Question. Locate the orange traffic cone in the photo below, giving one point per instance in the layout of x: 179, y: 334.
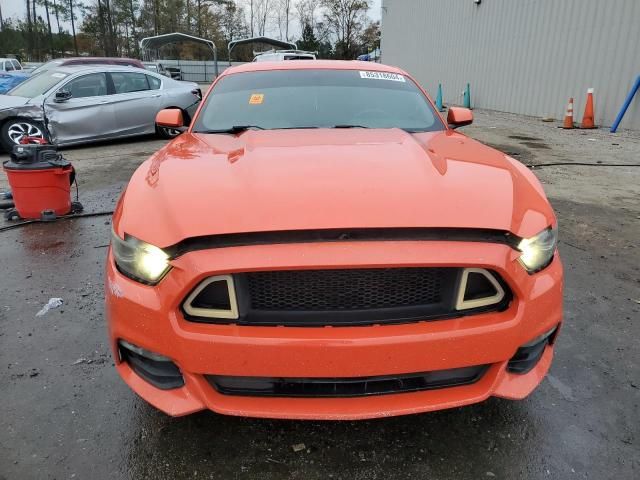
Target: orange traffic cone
x: 587, y: 118
x: 568, y: 117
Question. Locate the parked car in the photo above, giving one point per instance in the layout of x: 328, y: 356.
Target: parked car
x: 8, y: 80
x: 322, y: 244
x: 72, y: 105
x: 152, y: 66
x: 9, y: 65
x: 282, y: 55
x: 71, y: 61
x: 171, y: 72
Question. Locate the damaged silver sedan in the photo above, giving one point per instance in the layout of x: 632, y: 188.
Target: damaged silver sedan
x: 82, y: 104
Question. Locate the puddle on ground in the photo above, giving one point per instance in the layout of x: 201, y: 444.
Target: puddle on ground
x: 536, y: 145
x: 526, y: 138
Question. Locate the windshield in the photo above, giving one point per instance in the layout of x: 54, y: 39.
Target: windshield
x: 316, y: 99
x: 47, y: 66
x: 37, y: 85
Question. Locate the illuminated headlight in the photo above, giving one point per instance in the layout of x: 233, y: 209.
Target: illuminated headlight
x: 138, y: 260
x: 537, y: 252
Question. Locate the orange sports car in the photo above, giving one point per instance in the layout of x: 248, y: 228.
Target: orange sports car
x: 321, y: 244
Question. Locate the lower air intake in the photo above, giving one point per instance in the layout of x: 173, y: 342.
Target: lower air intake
x: 345, y: 387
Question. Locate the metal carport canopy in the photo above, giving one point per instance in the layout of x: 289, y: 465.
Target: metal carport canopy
x: 159, y: 41
x: 267, y: 40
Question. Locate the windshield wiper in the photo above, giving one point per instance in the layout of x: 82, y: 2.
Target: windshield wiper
x: 296, y: 128
x: 349, y: 126
x: 234, y: 129
x: 415, y: 130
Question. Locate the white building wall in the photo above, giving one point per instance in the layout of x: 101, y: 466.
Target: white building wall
x: 520, y: 56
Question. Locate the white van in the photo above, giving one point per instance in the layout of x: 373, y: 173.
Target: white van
x: 10, y: 65
x: 281, y: 55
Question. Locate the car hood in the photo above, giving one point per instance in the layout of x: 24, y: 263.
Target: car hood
x: 11, y: 101
x: 326, y: 179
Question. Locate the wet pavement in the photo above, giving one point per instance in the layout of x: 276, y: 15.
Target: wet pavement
x: 66, y: 414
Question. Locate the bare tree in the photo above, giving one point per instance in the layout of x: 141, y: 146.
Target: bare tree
x: 283, y: 11
x: 306, y: 11
x: 262, y: 15
x: 232, y: 21
x: 259, y: 14
x: 346, y: 19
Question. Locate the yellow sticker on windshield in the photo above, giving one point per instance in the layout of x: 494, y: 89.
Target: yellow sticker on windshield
x: 256, y: 99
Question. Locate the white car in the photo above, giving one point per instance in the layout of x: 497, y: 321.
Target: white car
x: 82, y: 104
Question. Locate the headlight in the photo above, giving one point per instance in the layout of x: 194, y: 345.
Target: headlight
x: 537, y: 252
x: 138, y: 260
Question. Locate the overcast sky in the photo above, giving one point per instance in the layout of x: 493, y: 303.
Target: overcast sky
x: 17, y: 9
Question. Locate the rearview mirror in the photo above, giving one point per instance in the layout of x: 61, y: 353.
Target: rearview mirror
x: 170, y: 117
x: 63, y: 96
x: 459, y: 117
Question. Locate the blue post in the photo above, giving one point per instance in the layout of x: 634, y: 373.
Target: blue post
x: 626, y: 104
x: 466, y: 103
x: 439, y: 105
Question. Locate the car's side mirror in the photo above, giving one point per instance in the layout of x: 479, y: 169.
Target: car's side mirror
x: 170, y: 117
x: 459, y: 117
x: 62, y: 96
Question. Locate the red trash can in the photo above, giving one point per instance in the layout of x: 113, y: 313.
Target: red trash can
x: 40, y: 180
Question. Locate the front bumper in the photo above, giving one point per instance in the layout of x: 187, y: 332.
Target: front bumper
x: 150, y: 317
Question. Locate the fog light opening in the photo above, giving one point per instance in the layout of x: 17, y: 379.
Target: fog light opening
x: 213, y: 298
x: 154, y: 368
x: 478, y: 288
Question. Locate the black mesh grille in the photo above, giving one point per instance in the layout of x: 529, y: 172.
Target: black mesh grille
x: 340, y: 290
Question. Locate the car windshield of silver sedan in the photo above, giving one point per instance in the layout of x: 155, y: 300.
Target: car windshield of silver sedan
x: 37, y: 84
x: 296, y: 99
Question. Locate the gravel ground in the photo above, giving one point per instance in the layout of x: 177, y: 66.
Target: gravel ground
x: 66, y: 414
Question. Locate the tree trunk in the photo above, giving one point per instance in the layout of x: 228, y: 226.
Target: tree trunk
x: 101, y: 28
x: 263, y: 20
x: 29, y: 31
x: 286, y: 28
x: 55, y: 8
x: 133, y: 29
x: 46, y: 8
x: 155, y: 17
x: 188, y: 19
x: 34, y: 19
x: 251, y: 15
x: 111, y: 35
x: 73, y: 27
x: 126, y: 36
x: 199, y: 18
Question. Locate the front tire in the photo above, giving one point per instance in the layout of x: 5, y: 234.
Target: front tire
x: 13, y: 130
